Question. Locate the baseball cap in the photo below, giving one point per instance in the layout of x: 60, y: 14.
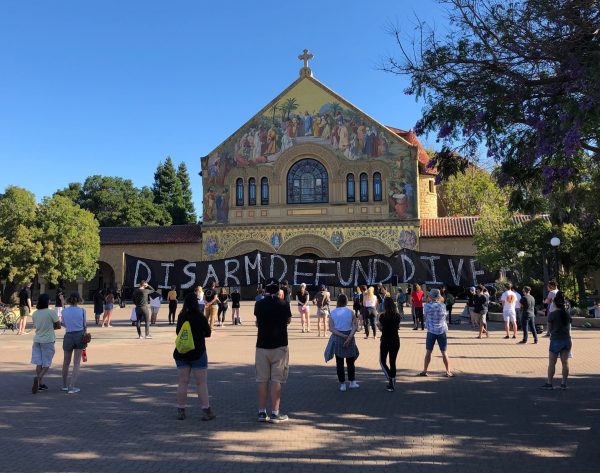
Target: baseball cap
x: 272, y: 285
x: 322, y: 287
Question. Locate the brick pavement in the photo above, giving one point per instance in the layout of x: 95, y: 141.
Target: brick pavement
x: 490, y: 418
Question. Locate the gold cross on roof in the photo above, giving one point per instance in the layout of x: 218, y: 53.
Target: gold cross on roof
x: 305, y: 56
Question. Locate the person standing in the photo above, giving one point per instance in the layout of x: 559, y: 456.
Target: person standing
x: 417, y: 295
x: 509, y: 312
x: 98, y: 305
x: 199, y: 291
x: 560, y: 340
x: 389, y: 324
x: 480, y: 307
x: 223, y: 306
x: 473, y: 316
x: 449, y: 302
x: 549, y: 302
x: 236, y: 298
x: 322, y: 301
x: 140, y: 300
x: 356, y: 306
x: 75, y: 323
x: 342, y: 345
x: 528, y: 315
x: 211, y: 303
x: 272, y: 356
x: 400, y: 300
x: 25, y: 307
x: 155, y: 300
x: 285, y: 287
x: 409, y: 290
x: 45, y: 322
x: 369, y: 302
x: 172, y: 299
x: 303, y: 300
x: 435, y: 320
x: 59, y: 301
x: 109, y: 304
x: 194, y: 361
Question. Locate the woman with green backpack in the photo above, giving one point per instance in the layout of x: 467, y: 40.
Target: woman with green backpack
x: 190, y: 355
x: 449, y: 301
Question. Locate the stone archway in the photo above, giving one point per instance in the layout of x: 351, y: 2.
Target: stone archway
x: 365, y: 247
x: 248, y: 246
x: 303, y: 244
x: 104, y: 279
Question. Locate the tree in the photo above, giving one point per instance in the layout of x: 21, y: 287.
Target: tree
x: 168, y: 191
x: 20, y: 248
x: 115, y: 201
x: 186, y: 189
x: 521, y: 77
x: 468, y: 192
x: 70, y: 240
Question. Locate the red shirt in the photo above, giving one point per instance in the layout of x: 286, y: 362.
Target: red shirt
x: 417, y: 298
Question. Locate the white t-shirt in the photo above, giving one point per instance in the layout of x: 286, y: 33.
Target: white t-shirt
x: 551, y: 295
x: 509, y: 302
x: 518, y: 304
x: 342, y: 318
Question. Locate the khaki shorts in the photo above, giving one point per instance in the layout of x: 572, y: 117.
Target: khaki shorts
x: 272, y: 364
x: 24, y: 311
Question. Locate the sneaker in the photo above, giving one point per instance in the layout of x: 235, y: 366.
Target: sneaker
x: 64, y: 389
x: 353, y: 385
x: 207, y: 414
x: 73, y: 390
x: 148, y: 336
x: 43, y: 387
x: 263, y: 417
x: 277, y: 418
x: 547, y: 386
x: 506, y: 338
x: 343, y: 387
x: 180, y: 413
x: 563, y: 386
x: 535, y: 342
x: 390, y: 386
x: 514, y: 336
x: 521, y: 342
x: 423, y: 374
x: 416, y: 328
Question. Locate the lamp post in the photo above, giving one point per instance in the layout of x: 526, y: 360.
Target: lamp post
x: 555, y: 242
x: 520, y: 255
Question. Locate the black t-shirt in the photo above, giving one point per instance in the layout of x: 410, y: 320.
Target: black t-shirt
x: 389, y: 327
x: 223, y: 298
x: 209, y: 294
x: 272, y: 318
x: 480, y: 303
x: 24, y: 296
x: 302, y: 298
x: 471, y: 300
x: 235, y: 299
x: 286, y: 294
x: 59, y: 295
x: 200, y: 331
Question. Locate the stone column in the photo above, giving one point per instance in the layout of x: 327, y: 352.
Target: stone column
x: 43, y: 282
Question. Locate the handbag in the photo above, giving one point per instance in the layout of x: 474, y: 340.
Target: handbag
x: 133, y: 317
x: 185, y: 341
x: 86, y: 337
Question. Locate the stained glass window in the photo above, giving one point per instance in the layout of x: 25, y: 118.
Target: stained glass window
x: 307, y: 183
x: 239, y: 192
x: 377, y: 190
x: 264, y: 191
x: 350, y: 188
x: 251, y: 191
x: 364, y: 188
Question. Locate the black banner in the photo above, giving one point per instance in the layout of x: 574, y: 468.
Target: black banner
x: 253, y: 268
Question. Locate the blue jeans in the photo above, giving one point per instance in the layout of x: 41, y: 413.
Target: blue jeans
x: 528, y: 322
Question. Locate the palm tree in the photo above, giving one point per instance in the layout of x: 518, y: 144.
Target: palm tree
x: 274, y: 109
x: 291, y: 104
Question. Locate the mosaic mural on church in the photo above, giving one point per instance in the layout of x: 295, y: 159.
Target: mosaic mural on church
x: 308, y: 114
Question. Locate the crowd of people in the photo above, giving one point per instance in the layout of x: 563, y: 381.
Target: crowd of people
x: 369, y: 309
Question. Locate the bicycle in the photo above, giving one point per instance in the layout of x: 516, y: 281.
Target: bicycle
x: 8, y: 318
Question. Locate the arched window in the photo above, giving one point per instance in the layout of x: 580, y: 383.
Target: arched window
x: 239, y: 192
x: 377, y: 190
x: 307, y: 183
x: 251, y: 191
x: 350, y: 188
x: 364, y: 187
x: 264, y: 191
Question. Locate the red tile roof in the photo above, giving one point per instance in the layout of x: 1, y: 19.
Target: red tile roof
x: 460, y: 226
x: 422, y: 155
x: 154, y: 235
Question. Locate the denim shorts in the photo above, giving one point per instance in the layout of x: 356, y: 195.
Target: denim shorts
x: 73, y: 341
x: 560, y: 344
x: 199, y: 364
x: 441, y: 339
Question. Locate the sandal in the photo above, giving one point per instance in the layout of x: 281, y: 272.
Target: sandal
x: 423, y: 373
x: 449, y: 375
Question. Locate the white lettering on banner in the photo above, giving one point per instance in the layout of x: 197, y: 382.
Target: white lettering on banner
x: 456, y: 273
x: 211, y: 273
x: 230, y: 274
x: 137, y: 270
x: 319, y: 274
x: 296, y: 273
x: 358, y: 266
x: 387, y: 265
x: 272, y: 271
x: 345, y: 282
x: 405, y: 259
x: 256, y: 266
x: 431, y: 260
x: 474, y: 272
x: 166, y: 266
x: 186, y: 270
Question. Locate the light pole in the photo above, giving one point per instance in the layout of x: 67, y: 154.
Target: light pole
x: 520, y: 255
x: 555, y: 242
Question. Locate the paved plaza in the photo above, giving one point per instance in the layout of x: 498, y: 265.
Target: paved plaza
x: 491, y: 417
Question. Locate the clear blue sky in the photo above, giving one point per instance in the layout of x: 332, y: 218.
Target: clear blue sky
x: 113, y: 87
